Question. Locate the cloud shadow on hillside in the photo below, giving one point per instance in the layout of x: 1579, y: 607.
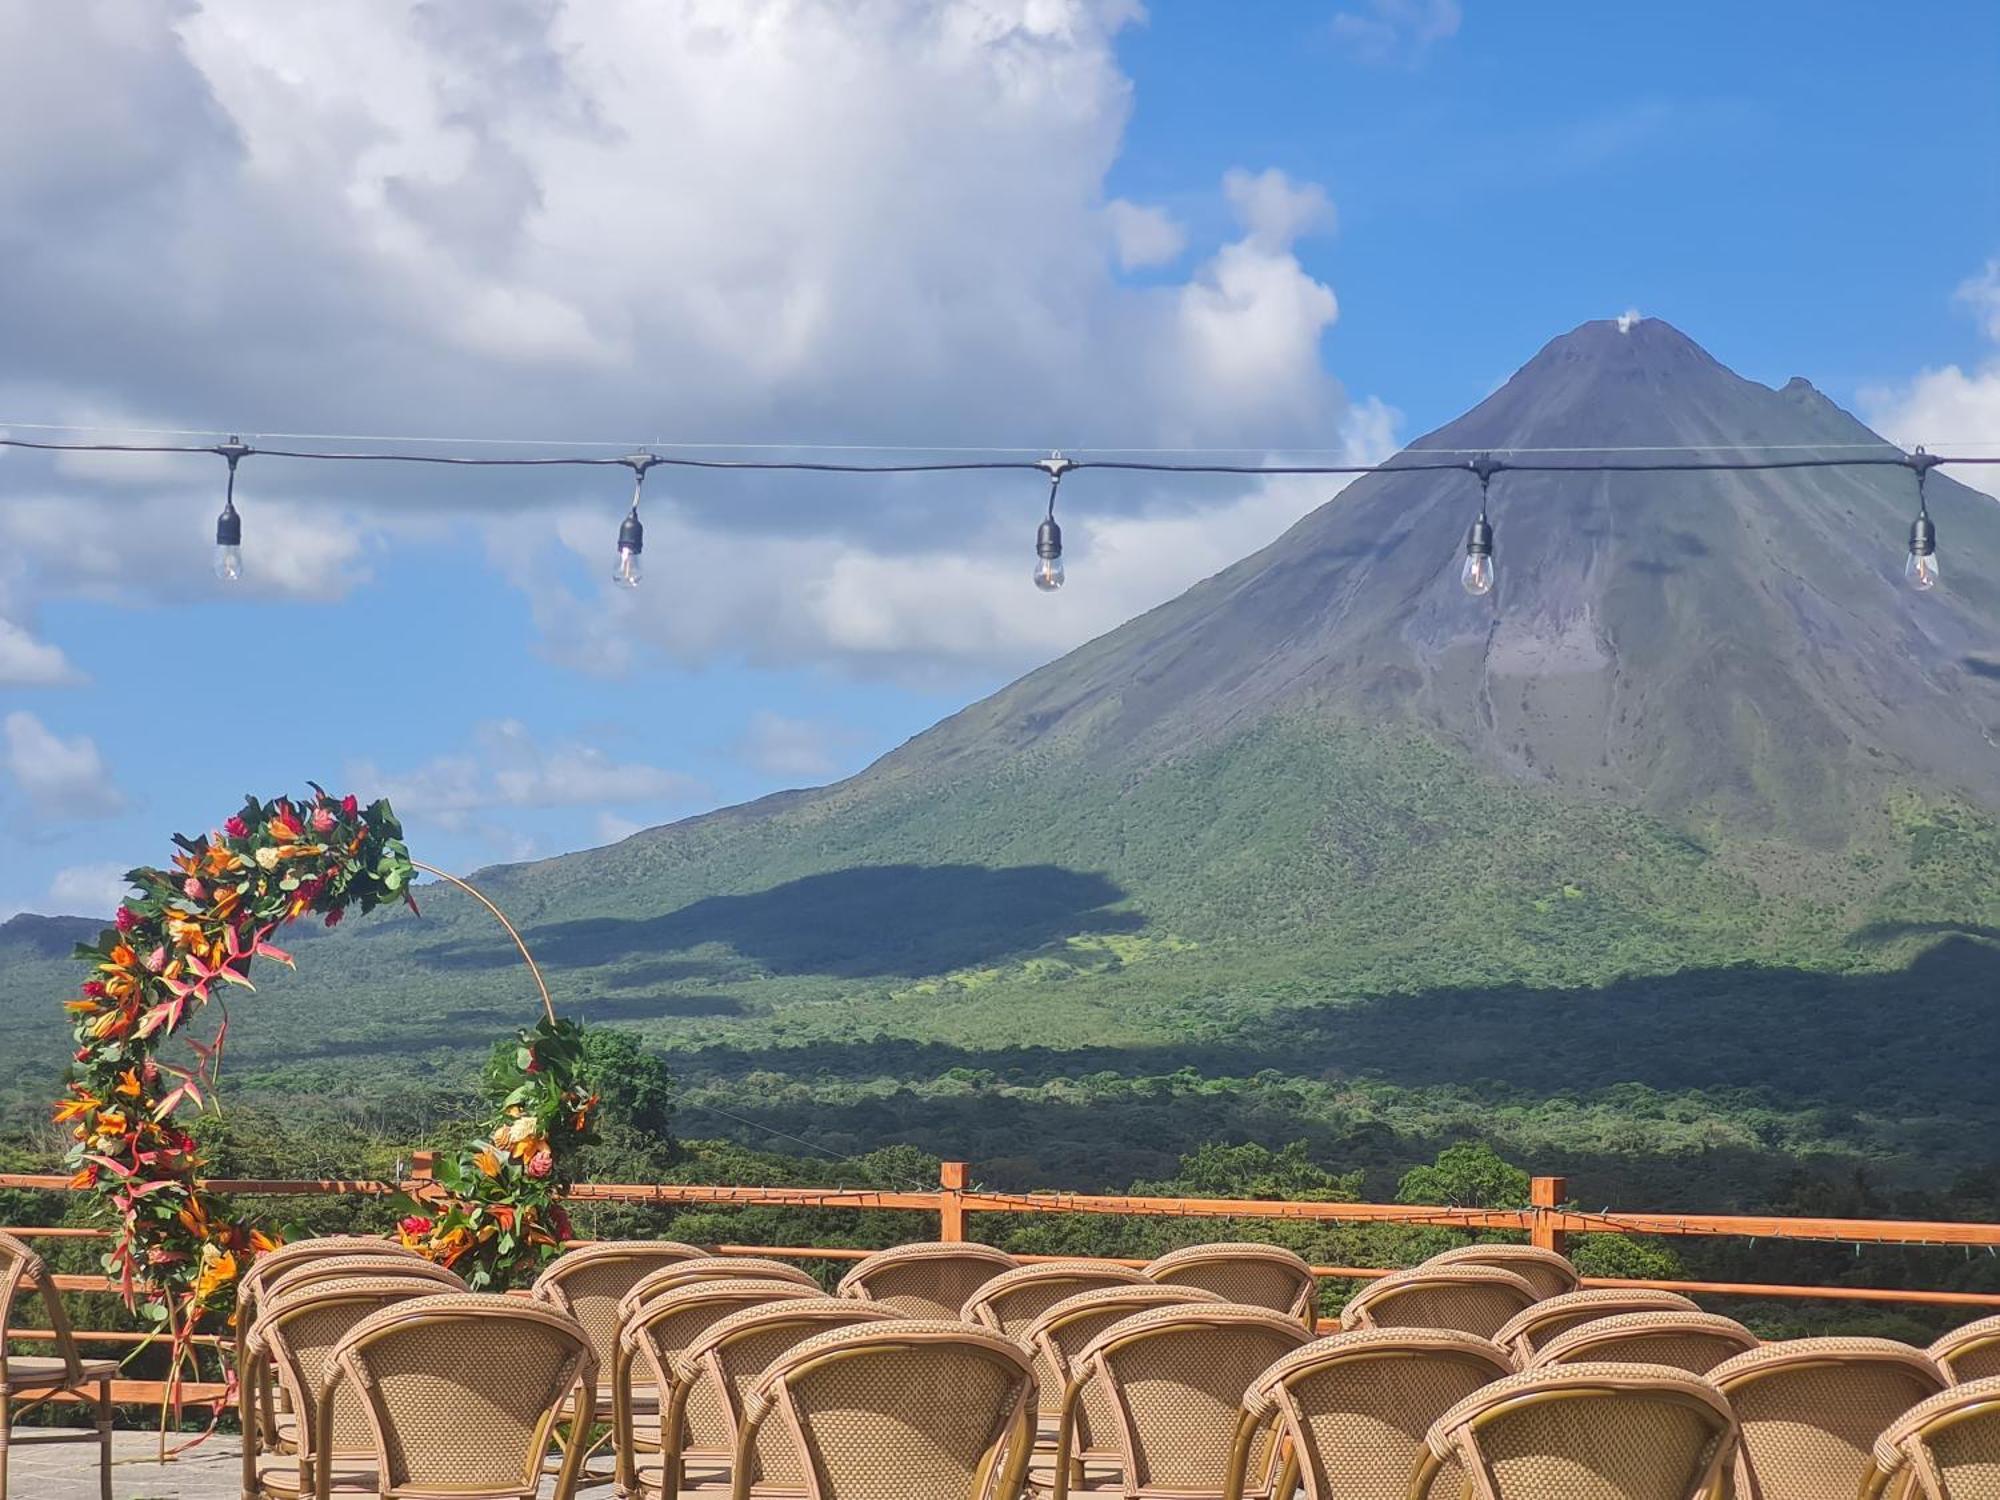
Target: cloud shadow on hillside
x: 871, y: 920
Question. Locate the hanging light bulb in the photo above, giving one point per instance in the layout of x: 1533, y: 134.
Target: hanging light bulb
x: 631, y: 531
x: 1922, y: 567
x: 229, y: 525
x: 1477, y: 575
x: 1049, y: 574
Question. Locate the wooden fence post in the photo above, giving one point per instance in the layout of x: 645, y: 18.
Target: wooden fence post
x: 1547, y: 1195
x: 951, y: 1211
x: 423, y: 1166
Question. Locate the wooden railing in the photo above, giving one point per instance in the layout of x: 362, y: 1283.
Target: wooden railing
x: 1545, y: 1222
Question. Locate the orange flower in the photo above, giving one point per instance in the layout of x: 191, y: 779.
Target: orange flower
x: 264, y: 1243
x: 69, y: 1109
x: 488, y: 1163
x: 82, y: 1007
x: 128, y: 1083
x: 122, y: 957
x: 225, y: 904
x: 217, y: 1271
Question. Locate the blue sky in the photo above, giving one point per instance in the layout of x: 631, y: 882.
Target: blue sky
x: 1023, y: 223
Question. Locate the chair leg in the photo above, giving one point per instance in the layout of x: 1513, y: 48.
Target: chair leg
x: 6, y: 1426
x: 103, y: 1439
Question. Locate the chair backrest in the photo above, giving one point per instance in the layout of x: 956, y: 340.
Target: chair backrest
x: 293, y: 1341
x: 22, y: 1271
x: 1549, y: 1273
x: 710, y: 1268
x: 884, y: 1411
x: 1693, y: 1341
x: 1971, y: 1352
x: 1059, y: 1335
x: 1811, y: 1410
x: 1584, y: 1432
x: 1250, y: 1275
x: 656, y: 1332
x: 721, y: 1365
x: 275, y: 1262
x: 1354, y: 1409
x: 1949, y: 1443
x: 1174, y: 1378
x: 925, y: 1281
x: 300, y: 1274
x: 1534, y: 1326
x: 1469, y: 1299
x: 1014, y: 1299
x: 589, y: 1282
x: 460, y: 1393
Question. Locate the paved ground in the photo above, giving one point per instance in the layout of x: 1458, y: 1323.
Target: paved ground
x: 66, y: 1471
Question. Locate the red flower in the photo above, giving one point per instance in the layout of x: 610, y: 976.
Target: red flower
x: 126, y: 919
x: 322, y: 820
x: 348, y: 806
x: 236, y: 828
x: 541, y: 1163
x: 333, y: 917
x: 414, y: 1225
x: 94, y: 988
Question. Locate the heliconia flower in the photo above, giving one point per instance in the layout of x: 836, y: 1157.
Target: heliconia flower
x: 157, y: 959
x: 193, y: 889
x: 349, y: 806
x: 541, y: 1163
x: 126, y: 919
x: 236, y: 828
x: 322, y: 820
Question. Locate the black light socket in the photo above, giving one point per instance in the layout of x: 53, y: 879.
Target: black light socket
x: 631, y: 533
x: 229, y: 526
x: 1923, y: 536
x: 1048, y: 540
x: 1479, y: 539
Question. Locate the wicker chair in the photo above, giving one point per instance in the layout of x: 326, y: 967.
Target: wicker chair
x: 1811, y: 1410
x: 1532, y: 1327
x: 461, y: 1394
x: 37, y: 1380
x: 1479, y: 1300
x: 305, y: 1273
x: 651, y: 1339
x: 715, y: 1372
x: 1584, y: 1432
x: 910, y: 1408
x: 1693, y: 1341
x: 1549, y: 1273
x: 709, y: 1268
x: 1353, y: 1409
x: 1249, y: 1275
x: 925, y: 1281
x: 1970, y: 1353
x: 291, y: 1348
x: 1011, y: 1301
x: 286, y: 1257
x: 1174, y: 1378
x: 1950, y: 1444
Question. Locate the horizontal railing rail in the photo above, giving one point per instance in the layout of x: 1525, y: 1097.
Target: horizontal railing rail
x: 1547, y: 1221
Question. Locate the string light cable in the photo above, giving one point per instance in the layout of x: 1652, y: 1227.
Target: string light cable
x: 1477, y: 574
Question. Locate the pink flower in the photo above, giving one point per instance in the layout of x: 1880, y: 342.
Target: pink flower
x: 349, y: 806
x: 126, y: 919
x: 333, y: 917
x: 192, y: 888
x: 415, y: 1224
x: 322, y: 819
x: 236, y: 828
x: 157, y: 959
x: 541, y: 1163
x: 94, y: 988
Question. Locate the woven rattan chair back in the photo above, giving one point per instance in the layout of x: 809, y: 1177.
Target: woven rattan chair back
x: 709, y: 1268
x: 23, y: 1273
x: 925, y: 1281
x: 1062, y: 1333
x: 1692, y: 1341
x: 1811, y: 1410
x: 590, y: 1281
x: 1474, y: 1299
x: 1547, y: 1271
x: 1948, y: 1445
x: 294, y: 1278
x: 1011, y: 1301
x: 291, y: 1347
x: 1971, y: 1352
x: 1354, y: 1409
x: 722, y: 1365
x: 891, y: 1411
x: 653, y: 1337
x: 460, y: 1394
x: 1175, y: 1378
x: 274, y: 1263
x: 1583, y: 1432
x: 1249, y: 1275
x: 1533, y: 1327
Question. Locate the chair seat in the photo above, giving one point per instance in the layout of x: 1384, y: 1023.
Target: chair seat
x: 49, y: 1372
x: 350, y: 1479
x: 697, y: 1478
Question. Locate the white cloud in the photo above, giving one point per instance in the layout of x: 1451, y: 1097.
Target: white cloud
x: 1397, y: 30
x: 1274, y: 209
x: 60, y: 780
x: 611, y: 828
x: 1627, y: 319
x: 27, y: 662
x: 805, y: 750
x: 1143, y: 235
x: 1950, y: 404
x: 87, y: 890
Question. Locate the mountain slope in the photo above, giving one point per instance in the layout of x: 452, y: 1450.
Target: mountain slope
x: 1666, y: 833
